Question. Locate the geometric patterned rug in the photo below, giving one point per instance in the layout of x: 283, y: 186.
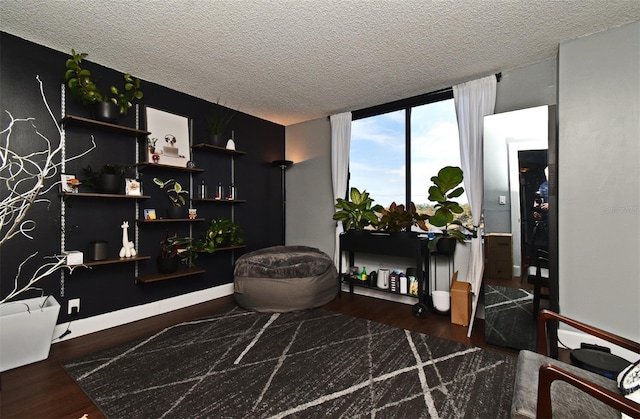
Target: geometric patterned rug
x: 509, y: 321
x: 313, y: 363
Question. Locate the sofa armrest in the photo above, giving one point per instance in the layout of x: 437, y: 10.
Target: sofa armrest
x: 545, y: 316
x: 549, y: 373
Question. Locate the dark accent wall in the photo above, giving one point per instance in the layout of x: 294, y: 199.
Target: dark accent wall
x: 107, y: 288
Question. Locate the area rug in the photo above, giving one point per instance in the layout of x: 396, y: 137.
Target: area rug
x: 314, y: 363
x: 508, y: 318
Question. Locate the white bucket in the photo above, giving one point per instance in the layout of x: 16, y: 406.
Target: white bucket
x: 441, y: 300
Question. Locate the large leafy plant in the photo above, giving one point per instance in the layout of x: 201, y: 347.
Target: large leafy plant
x: 446, y: 187
x: 81, y: 85
x: 397, y: 218
x: 357, y: 213
x: 222, y: 232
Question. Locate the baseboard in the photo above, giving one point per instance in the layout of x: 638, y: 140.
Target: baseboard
x: 131, y: 314
x: 573, y: 339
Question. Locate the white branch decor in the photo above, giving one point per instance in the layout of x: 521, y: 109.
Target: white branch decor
x: 25, y: 181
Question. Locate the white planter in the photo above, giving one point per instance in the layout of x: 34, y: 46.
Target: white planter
x: 26, y: 334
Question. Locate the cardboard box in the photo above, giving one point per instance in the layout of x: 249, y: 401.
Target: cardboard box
x: 74, y: 257
x: 460, y: 303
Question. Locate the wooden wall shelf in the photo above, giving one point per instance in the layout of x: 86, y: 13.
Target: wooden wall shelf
x: 102, y: 195
x: 170, y: 220
x: 228, y: 201
x: 145, y: 165
x: 92, y: 123
x: 115, y: 260
x: 204, y: 146
x: 161, y: 277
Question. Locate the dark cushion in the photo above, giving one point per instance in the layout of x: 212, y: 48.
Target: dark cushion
x: 283, y: 262
x: 566, y: 400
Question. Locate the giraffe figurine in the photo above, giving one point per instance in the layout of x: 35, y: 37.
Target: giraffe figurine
x: 127, y: 249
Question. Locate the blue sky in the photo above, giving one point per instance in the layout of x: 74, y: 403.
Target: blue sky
x: 377, y: 160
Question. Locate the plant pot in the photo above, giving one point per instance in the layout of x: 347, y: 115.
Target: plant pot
x: 167, y: 265
x: 446, y: 245
x: 98, y: 250
x: 217, y: 140
x: 110, y: 184
x: 105, y: 112
x: 25, y: 334
x: 175, y: 212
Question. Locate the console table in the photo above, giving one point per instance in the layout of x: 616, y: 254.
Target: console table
x: 410, y: 246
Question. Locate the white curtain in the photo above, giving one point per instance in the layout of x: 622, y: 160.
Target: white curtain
x: 340, y: 145
x: 474, y: 100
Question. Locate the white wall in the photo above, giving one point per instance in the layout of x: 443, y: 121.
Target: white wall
x: 309, y: 191
x: 599, y: 179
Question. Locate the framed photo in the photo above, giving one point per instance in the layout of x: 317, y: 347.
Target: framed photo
x: 169, y: 141
x: 69, y: 183
x: 149, y: 214
x: 132, y: 187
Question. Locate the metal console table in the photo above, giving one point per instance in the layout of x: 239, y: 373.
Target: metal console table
x: 410, y: 246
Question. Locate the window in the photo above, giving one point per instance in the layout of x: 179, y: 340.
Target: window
x: 388, y: 160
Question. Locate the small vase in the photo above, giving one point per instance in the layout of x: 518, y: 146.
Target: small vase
x: 216, y: 140
x: 105, y: 112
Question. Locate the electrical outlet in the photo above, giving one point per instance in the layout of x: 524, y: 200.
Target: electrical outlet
x: 73, y: 304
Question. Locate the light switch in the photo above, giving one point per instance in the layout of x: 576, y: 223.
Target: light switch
x: 502, y: 200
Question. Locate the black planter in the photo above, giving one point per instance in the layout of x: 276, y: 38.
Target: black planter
x: 217, y: 140
x: 446, y: 245
x: 105, y: 112
x: 176, y: 212
x: 167, y: 266
x: 111, y: 184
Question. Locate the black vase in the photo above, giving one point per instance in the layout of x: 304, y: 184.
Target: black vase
x: 105, y: 112
x: 217, y: 140
x: 110, y: 184
x: 446, y: 245
x: 176, y: 212
x: 167, y: 265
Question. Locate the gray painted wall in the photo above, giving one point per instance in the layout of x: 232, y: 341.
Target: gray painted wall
x: 309, y: 190
x: 309, y: 195
x: 599, y: 179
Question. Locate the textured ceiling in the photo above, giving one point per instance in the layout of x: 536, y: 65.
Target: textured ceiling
x: 289, y: 61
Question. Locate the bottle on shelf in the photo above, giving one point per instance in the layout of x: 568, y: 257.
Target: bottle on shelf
x: 363, y: 274
x: 232, y: 193
x: 219, y: 191
x: 203, y: 190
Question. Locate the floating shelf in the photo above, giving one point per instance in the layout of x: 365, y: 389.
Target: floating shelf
x: 229, y: 248
x: 170, y: 220
x: 229, y: 201
x: 146, y: 165
x: 204, y: 146
x: 115, y: 260
x: 92, y: 123
x: 161, y: 277
x: 102, y: 195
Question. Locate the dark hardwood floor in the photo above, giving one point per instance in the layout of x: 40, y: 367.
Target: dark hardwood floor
x: 44, y: 390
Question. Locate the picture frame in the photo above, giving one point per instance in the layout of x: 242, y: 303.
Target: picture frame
x: 168, y: 142
x: 149, y: 214
x: 66, y: 186
x: 132, y: 187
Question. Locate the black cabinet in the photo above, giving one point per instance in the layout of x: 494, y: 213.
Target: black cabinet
x: 404, y: 245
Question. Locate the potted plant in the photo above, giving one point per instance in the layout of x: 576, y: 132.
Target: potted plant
x: 397, y: 219
x: 222, y: 232
x: 359, y: 212
x: 174, y: 249
x: 106, y: 107
x: 108, y: 179
x: 218, y: 118
x: 446, y: 187
x: 175, y: 193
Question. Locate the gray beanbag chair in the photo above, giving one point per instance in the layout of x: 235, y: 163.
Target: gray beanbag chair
x: 284, y: 278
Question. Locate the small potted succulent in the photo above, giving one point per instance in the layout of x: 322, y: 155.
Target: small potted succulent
x: 109, y: 179
x: 222, y: 232
x: 446, y: 187
x: 175, y: 193
x: 358, y: 213
x: 106, y: 107
x: 218, y: 118
x: 397, y: 219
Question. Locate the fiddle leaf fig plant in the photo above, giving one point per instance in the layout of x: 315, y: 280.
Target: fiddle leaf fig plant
x: 446, y: 187
x: 357, y: 213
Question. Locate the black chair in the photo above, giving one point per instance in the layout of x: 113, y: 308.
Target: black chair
x: 538, y: 276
